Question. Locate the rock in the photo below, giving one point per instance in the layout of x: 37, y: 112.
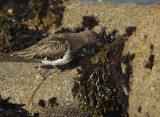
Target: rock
x: 144, y: 97
x: 110, y: 15
x: 20, y: 80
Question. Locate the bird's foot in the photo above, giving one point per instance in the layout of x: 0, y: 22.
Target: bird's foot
x: 43, y: 75
x: 65, y: 71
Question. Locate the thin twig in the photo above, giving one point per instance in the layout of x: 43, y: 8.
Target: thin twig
x: 44, y: 78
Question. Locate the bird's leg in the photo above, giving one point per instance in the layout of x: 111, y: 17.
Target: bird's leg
x: 39, y: 70
x: 57, y: 69
x: 61, y: 71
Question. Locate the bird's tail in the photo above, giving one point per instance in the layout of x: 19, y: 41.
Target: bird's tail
x: 23, y: 54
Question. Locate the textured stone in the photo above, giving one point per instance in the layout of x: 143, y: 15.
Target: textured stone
x: 145, y: 80
x: 110, y: 15
x: 20, y: 80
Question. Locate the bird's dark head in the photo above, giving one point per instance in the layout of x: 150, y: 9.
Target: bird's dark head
x: 102, y: 34
x: 93, y: 38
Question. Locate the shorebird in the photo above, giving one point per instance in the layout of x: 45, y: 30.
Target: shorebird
x: 58, y: 49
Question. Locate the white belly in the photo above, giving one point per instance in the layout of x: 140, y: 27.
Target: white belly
x: 66, y: 59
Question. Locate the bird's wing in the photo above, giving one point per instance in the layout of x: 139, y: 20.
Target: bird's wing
x: 50, y: 49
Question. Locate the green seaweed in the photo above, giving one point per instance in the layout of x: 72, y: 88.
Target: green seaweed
x: 95, y: 85
x: 96, y: 90
x: 7, y: 23
x: 43, y: 12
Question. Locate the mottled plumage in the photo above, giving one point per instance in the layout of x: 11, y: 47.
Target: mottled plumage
x: 60, y: 48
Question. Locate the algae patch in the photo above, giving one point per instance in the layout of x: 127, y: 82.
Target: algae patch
x: 95, y: 85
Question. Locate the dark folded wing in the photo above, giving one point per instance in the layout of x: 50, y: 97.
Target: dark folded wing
x: 50, y: 49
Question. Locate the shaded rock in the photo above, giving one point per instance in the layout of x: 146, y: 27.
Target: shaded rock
x: 12, y: 110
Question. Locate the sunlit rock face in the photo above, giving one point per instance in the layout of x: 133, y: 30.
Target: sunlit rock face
x: 110, y: 15
x: 142, y: 2
x: 144, y: 82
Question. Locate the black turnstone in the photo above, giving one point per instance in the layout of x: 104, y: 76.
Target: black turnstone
x: 58, y: 49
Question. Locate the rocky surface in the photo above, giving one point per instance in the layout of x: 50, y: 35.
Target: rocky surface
x: 110, y: 15
x: 144, y: 97
x: 20, y: 80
